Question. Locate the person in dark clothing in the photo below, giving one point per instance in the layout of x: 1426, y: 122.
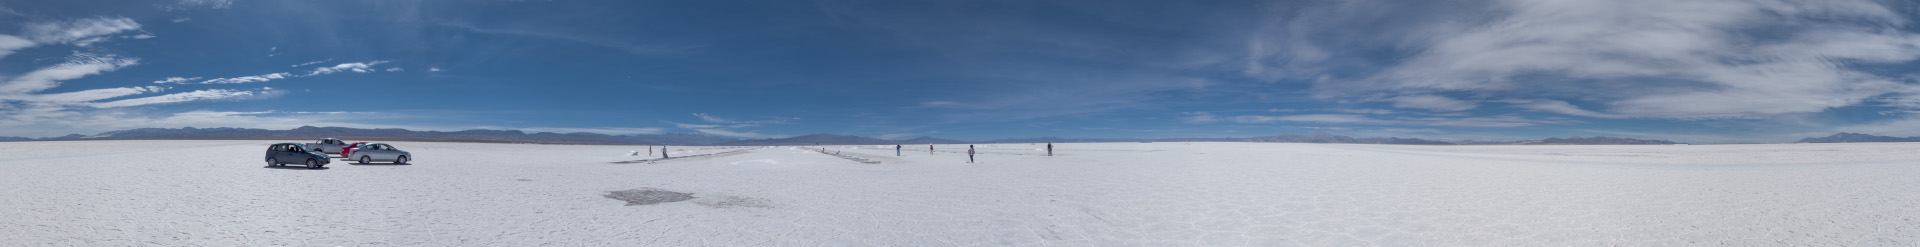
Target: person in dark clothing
x: 663, y: 152
x: 969, y: 153
x: 896, y: 150
x: 1049, y: 148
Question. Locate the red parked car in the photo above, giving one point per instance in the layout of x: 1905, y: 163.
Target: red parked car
x: 348, y: 151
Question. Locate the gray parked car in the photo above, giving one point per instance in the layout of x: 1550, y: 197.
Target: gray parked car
x: 368, y: 153
x: 295, y: 153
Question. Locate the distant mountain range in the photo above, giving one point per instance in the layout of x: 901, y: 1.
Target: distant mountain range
x: 515, y: 136
x: 1597, y: 140
x: 1857, y: 137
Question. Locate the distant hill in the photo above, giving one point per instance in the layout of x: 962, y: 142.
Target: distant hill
x: 931, y: 140
x: 354, y: 134
x: 1597, y: 140
x: 823, y: 139
x: 1857, y: 137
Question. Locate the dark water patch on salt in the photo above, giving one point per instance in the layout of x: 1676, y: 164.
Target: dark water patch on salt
x: 649, y: 196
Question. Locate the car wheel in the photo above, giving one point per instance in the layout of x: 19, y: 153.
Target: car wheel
x: 401, y: 160
x: 311, y: 164
x: 364, y: 160
x: 272, y: 162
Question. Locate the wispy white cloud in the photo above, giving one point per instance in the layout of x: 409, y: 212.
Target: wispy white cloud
x: 1431, y: 102
x: 694, y: 126
x: 711, y: 118
x: 89, y: 95
x: 395, y: 69
x: 175, y: 80
x: 47, y: 122
x: 360, y: 67
x: 200, y: 95
x: 1561, y: 107
x: 186, y: 4
x: 248, y: 79
x: 1492, y: 121
x: 10, y: 43
x: 723, y: 128
x: 77, y: 66
x: 733, y: 123
x: 1361, y: 111
x: 78, y: 30
x: 1632, y: 58
x: 310, y: 63
x: 622, y: 45
x: 1199, y: 117
x: 738, y: 134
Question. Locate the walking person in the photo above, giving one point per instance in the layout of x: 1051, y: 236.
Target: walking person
x: 929, y: 149
x: 969, y: 153
x: 896, y: 149
x: 663, y: 152
x: 1049, y: 148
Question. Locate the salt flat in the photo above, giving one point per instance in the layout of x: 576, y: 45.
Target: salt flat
x: 117, y: 193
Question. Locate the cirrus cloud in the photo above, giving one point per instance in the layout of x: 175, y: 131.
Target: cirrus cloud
x: 1680, y: 59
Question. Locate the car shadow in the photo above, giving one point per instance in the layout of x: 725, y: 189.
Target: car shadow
x: 379, y: 164
x: 291, y: 167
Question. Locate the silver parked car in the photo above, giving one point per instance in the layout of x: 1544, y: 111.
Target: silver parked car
x: 368, y: 153
x: 328, y: 146
x: 294, y: 153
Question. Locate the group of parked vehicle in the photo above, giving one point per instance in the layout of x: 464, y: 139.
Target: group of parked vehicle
x: 315, y: 155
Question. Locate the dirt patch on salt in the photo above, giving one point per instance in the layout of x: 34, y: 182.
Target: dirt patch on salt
x: 648, y: 196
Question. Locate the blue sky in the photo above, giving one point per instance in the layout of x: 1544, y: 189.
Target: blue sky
x: 1693, y: 71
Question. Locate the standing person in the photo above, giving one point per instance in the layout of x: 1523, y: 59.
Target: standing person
x: 1049, y: 148
x: 663, y: 152
x: 929, y: 149
x: 969, y: 153
x: 896, y: 149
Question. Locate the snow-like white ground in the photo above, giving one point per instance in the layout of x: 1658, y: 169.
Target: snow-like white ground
x: 117, y: 193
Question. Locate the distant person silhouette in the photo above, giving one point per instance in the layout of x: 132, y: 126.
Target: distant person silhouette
x: 663, y: 152
x: 969, y: 153
x: 1049, y: 148
x: 896, y: 150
